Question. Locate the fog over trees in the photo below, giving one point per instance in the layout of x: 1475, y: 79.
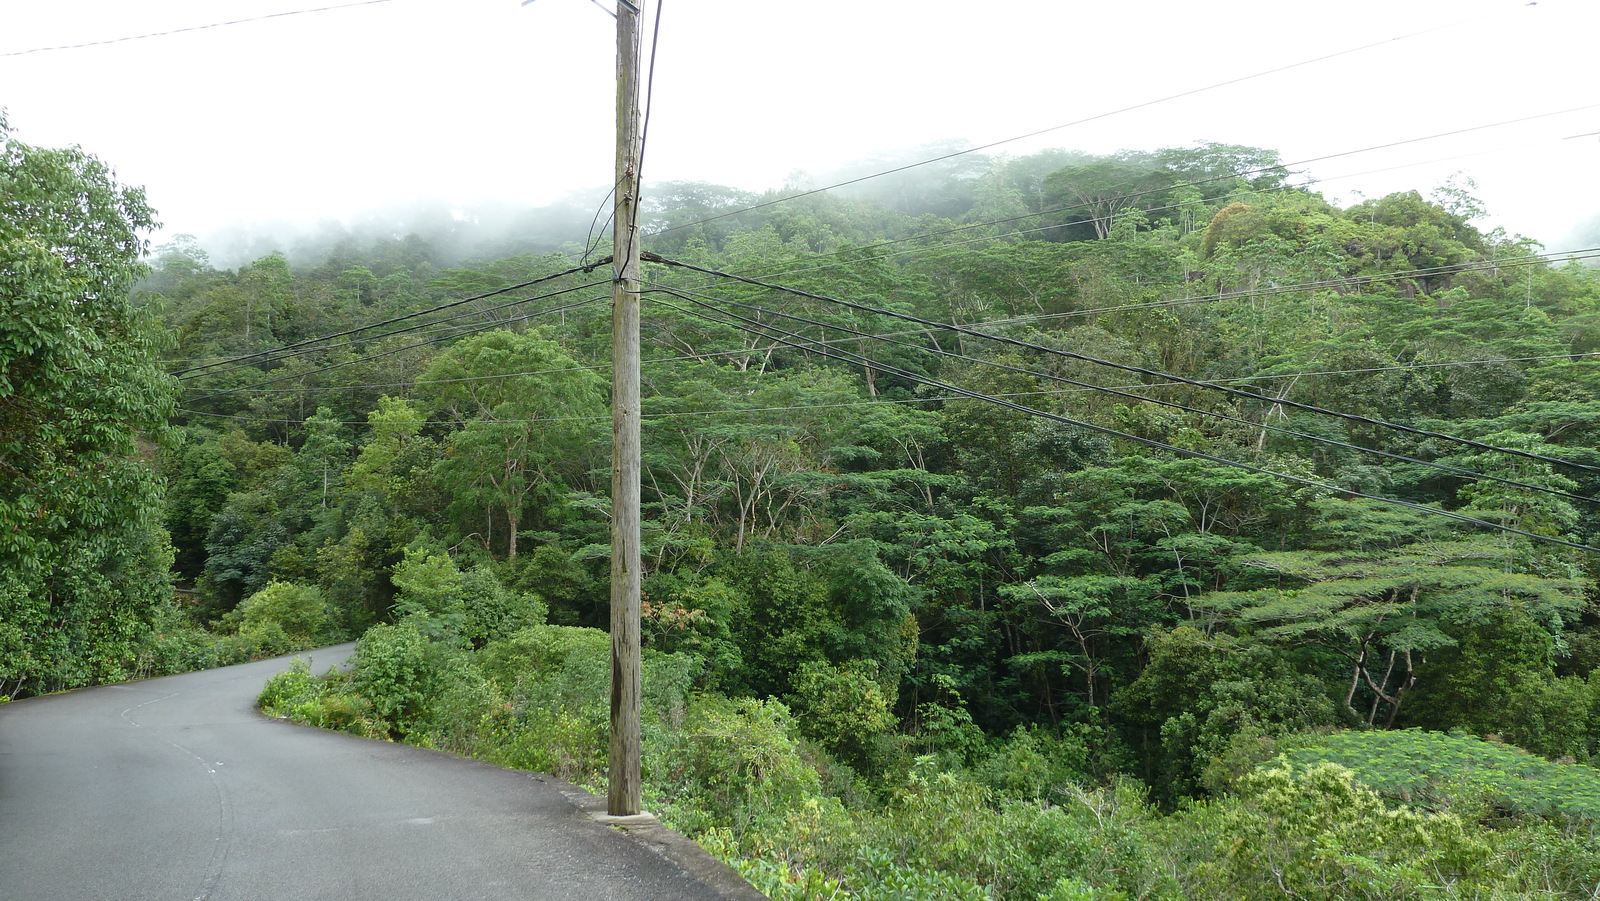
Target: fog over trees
x: 1058, y: 526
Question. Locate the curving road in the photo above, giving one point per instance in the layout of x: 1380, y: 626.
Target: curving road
x: 175, y: 789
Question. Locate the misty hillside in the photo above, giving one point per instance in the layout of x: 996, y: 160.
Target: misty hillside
x: 1059, y: 526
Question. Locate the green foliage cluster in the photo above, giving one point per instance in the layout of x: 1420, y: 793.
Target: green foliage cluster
x: 1414, y: 815
x: 537, y: 699
x: 83, y: 562
x: 905, y: 644
x: 1318, y: 833
x: 901, y: 643
x: 279, y: 618
x: 1457, y: 772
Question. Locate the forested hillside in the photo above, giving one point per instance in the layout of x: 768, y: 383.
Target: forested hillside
x: 1002, y: 526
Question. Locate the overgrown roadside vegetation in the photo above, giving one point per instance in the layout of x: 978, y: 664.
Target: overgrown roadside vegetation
x: 1185, y: 527
x: 837, y: 804
x: 86, y: 581
x: 279, y: 619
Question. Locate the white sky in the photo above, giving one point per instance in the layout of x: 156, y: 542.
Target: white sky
x: 328, y: 114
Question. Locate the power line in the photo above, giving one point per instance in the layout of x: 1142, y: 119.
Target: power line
x: 825, y: 342
x: 162, y: 34
x: 815, y: 345
x: 366, y: 357
x: 436, y: 324
x: 1201, y: 202
x: 1022, y: 233
x: 436, y: 340
x: 286, y: 421
x: 1531, y: 259
x: 735, y: 411
x: 591, y: 240
x: 1504, y: 262
x: 459, y: 333
x: 1343, y: 281
x: 415, y: 382
x: 1167, y: 208
x: 590, y: 267
x: 1311, y: 408
x: 1105, y: 115
x: 673, y: 414
x: 650, y: 88
x: 856, y: 359
x: 1117, y: 392
x: 434, y: 309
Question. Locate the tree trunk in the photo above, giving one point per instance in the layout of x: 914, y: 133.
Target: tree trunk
x: 1400, y: 693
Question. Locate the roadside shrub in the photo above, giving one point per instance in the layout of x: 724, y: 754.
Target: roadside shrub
x: 844, y: 709
x: 554, y: 686
x: 1071, y: 888
x: 668, y: 680
x: 175, y: 644
x: 781, y: 882
x: 396, y: 671
x: 1456, y: 773
x: 264, y: 639
x: 881, y: 876
x: 693, y: 615
x: 1037, y: 763
x: 289, y: 689
x: 537, y: 652
x: 1315, y: 833
x: 459, y: 712
x: 341, y: 711
x: 563, y: 743
x: 428, y: 591
x: 943, y: 822
x: 776, y: 876
x: 734, y: 764
x: 471, y: 606
x: 493, y: 611
x: 324, y: 702
x: 297, y: 611
x: 558, y: 682
x: 947, y: 824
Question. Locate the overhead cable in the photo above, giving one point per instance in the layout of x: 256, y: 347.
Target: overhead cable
x: 434, y: 309
x: 1128, y: 395
x: 1087, y: 119
x: 1587, y: 356
x: 1019, y: 233
x: 434, y: 324
x: 162, y: 34
x: 1310, y: 408
x: 458, y: 334
x: 799, y: 341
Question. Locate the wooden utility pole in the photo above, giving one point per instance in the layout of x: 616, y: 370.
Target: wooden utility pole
x: 623, y: 798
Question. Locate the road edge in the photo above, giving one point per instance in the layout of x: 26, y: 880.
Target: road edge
x: 674, y: 847
x: 678, y: 849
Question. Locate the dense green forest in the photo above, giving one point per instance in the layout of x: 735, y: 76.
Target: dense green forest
x: 1060, y: 526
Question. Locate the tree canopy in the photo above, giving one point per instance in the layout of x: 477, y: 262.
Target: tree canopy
x: 1003, y: 523
x: 83, y: 562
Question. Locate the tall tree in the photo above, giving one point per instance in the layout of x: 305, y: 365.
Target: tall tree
x: 1102, y: 191
x: 527, y: 414
x: 83, y: 561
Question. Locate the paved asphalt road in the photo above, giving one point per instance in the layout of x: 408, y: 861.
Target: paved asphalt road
x: 175, y: 789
